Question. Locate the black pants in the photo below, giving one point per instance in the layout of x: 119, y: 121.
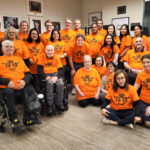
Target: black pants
x: 131, y: 77
x: 10, y: 97
x: 86, y: 102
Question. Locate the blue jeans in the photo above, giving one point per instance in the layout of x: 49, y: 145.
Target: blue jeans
x: 121, y: 117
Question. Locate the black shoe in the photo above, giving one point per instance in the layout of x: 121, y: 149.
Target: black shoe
x: 60, y: 108
x: 15, y: 124
x: 50, y: 111
x: 30, y: 122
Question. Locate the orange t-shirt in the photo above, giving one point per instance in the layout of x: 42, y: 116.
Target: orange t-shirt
x: 35, y: 50
x: 117, y: 40
x: 45, y: 38
x: 134, y: 58
x: 22, y: 37
x: 2, y: 36
x: 21, y: 49
x: 145, y: 40
x: 143, y: 78
x: 109, y: 82
x: 102, y: 32
x: 80, y: 31
x: 102, y: 70
x: 13, y: 68
x: 88, y: 82
x: 122, y: 99
x: 96, y: 42
x: 67, y: 36
x: 107, y: 52
x: 125, y: 42
x: 77, y: 53
x: 59, y: 49
x: 50, y: 65
x: 148, y: 44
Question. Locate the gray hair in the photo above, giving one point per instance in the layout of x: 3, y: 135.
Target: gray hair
x: 87, y: 57
x: 7, y: 30
x: 7, y: 42
x: 77, y: 20
x: 49, y: 46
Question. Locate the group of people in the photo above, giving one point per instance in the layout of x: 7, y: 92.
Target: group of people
x: 102, y: 68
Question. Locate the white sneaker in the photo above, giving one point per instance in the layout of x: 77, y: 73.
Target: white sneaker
x: 40, y: 96
x: 130, y: 126
x: 73, y: 91
x: 106, y: 121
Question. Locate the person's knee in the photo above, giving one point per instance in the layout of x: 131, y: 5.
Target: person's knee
x: 9, y: 91
x: 147, y: 124
x: 83, y: 103
x: 50, y: 82
x: 60, y: 83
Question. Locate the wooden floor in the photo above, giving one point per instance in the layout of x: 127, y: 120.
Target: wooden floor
x: 77, y: 129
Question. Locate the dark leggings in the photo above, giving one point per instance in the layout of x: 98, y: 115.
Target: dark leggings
x: 121, y: 117
x: 86, y: 102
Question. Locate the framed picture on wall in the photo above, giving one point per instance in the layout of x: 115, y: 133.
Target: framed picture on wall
x: 56, y: 25
x: 10, y: 22
x: 93, y: 17
x: 35, y: 7
x: 118, y: 22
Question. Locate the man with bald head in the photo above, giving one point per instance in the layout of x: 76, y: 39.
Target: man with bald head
x: 133, y: 61
x: 51, y: 70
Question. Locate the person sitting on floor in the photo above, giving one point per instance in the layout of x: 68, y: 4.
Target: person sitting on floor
x: 122, y: 97
x: 14, y: 76
x: 87, y: 83
x: 51, y: 70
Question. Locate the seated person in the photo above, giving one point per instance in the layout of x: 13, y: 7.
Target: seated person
x: 121, y: 97
x: 87, y: 83
x: 14, y: 76
x: 143, y: 79
x: 132, y: 60
x: 51, y: 70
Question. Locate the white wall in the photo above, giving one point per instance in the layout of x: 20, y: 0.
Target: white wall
x: 134, y: 10
x: 52, y: 9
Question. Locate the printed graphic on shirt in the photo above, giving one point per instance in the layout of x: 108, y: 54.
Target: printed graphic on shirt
x: 79, y: 54
x: 146, y: 84
x: 137, y: 58
x: 87, y: 79
x: 93, y: 41
x: 109, y: 83
x: 58, y: 48
x: 11, y: 64
x: 66, y: 38
x: 121, y: 99
x: 34, y: 50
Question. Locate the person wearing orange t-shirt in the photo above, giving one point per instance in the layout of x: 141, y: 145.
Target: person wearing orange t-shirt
x: 14, y: 78
x: 110, y: 50
x: 138, y: 33
x: 132, y: 61
x: 50, y: 69
x: 148, y: 44
x: 96, y: 41
x: 101, y: 31
x: 107, y: 80
x: 35, y: 48
x: 87, y: 83
x: 125, y: 44
x: 67, y: 34
x: 99, y: 66
x: 77, y: 27
x: 45, y: 37
x: 21, y: 49
x: 111, y: 30
x: 121, y: 97
x: 143, y: 81
x: 23, y: 30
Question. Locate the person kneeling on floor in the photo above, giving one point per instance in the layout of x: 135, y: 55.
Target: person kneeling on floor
x: 122, y: 97
x: 51, y: 70
x: 14, y: 76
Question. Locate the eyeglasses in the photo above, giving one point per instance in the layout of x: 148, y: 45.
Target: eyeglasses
x: 11, y: 32
x: 148, y: 62
x: 121, y: 78
x: 87, y: 62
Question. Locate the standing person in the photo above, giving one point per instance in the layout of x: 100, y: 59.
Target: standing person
x: 143, y: 80
x: 122, y: 97
x: 87, y: 83
x: 95, y: 40
x: 110, y: 50
x: 35, y: 48
x: 125, y: 44
x: 21, y: 49
x: 101, y: 31
x: 138, y: 31
x: 132, y: 60
x: 23, y: 30
x: 99, y: 66
x: 77, y: 27
x: 76, y: 52
x: 44, y: 37
x: 59, y: 47
x: 111, y: 30
x: 67, y: 34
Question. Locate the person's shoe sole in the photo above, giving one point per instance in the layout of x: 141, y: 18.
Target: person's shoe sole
x: 106, y: 121
x: 130, y: 126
